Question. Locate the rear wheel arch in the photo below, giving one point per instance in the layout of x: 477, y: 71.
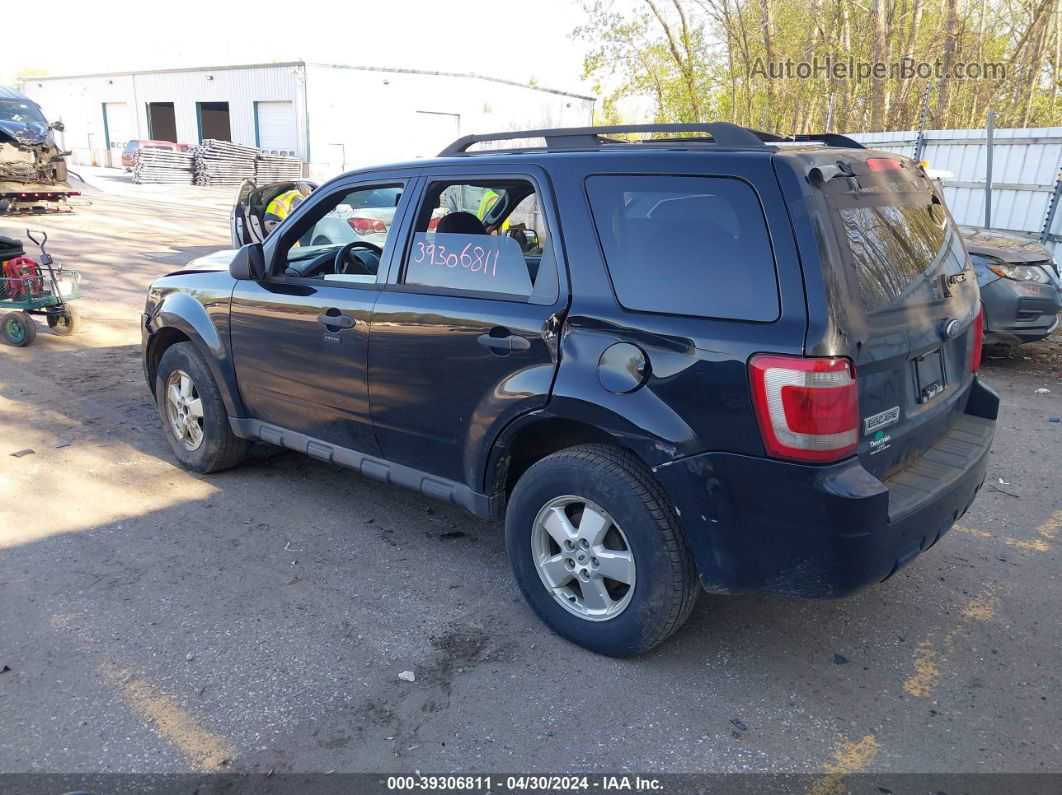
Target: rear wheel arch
x: 528, y: 442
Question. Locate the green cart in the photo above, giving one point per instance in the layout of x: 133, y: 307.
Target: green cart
x: 31, y: 288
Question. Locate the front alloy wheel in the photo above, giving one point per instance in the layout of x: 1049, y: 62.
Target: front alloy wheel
x: 184, y: 410
x: 193, y: 413
x: 583, y: 558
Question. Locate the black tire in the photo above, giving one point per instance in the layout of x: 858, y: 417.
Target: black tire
x: 220, y: 448
x: 665, y: 585
x: 66, y: 322
x: 18, y: 329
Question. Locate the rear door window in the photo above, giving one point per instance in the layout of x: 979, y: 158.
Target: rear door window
x: 686, y: 245
x: 484, y: 238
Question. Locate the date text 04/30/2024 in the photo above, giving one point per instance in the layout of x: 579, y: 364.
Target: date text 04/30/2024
x: 530, y: 783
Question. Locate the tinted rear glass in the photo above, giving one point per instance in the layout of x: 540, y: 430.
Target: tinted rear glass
x: 891, y: 246
x: 686, y: 245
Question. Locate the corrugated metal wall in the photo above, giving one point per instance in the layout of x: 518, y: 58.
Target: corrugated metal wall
x: 346, y: 117
x: 1025, y: 165
x: 78, y: 102
x: 361, y: 116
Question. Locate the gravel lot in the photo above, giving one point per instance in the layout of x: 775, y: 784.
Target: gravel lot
x: 155, y: 620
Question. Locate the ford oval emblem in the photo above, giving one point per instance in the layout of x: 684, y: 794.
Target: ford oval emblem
x: 949, y: 329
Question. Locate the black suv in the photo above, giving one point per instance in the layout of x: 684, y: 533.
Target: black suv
x: 713, y: 355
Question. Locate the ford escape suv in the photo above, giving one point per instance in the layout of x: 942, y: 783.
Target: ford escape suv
x: 710, y: 358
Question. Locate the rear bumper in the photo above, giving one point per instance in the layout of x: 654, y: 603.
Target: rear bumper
x: 755, y: 524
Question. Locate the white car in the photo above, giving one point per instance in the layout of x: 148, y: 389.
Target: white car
x: 367, y: 222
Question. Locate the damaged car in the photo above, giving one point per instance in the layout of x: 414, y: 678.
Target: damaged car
x: 1020, y: 288
x: 33, y: 172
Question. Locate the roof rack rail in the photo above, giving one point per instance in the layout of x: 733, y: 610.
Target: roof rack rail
x: 721, y: 132
x: 829, y: 139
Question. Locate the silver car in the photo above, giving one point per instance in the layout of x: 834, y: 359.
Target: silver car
x: 1020, y: 287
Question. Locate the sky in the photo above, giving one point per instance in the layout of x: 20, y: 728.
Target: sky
x: 512, y: 40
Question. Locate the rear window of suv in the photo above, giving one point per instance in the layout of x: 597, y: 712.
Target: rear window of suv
x: 892, y: 246
x: 686, y: 245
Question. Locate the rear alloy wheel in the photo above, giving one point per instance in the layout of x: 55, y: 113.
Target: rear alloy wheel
x: 597, y: 551
x: 583, y: 558
x: 193, y: 414
x: 18, y: 329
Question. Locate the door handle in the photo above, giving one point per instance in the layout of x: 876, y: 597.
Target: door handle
x: 501, y: 342
x: 336, y: 319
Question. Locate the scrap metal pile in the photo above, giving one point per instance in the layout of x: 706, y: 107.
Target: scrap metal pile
x: 157, y: 166
x: 223, y: 163
x: 277, y: 168
x: 226, y: 163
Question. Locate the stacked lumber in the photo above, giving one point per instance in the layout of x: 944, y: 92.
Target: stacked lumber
x: 157, y: 166
x: 276, y: 168
x: 223, y: 163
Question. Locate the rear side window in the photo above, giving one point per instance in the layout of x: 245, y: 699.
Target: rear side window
x: 686, y: 245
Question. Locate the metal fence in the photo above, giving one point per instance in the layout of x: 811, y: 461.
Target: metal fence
x: 1026, y: 165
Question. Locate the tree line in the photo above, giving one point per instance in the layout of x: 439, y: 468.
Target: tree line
x: 801, y: 66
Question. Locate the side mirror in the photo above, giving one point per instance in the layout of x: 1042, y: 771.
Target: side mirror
x: 248, y: 264
x: 58, y: 126
x: 527, y: 238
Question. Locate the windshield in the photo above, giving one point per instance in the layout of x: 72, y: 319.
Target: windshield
x: 21, y: 111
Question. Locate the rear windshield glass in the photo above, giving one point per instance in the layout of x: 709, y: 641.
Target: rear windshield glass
x: 686, y: 245
x: 891, y: 246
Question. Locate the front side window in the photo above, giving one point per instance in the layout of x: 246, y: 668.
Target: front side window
x: 344, y: 238
x: 686, y: 245
x: 488, y: 237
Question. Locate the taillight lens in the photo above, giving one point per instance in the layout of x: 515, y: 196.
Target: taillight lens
x: 978, y: 339
x: 807, y: 409
x: 367, y: 226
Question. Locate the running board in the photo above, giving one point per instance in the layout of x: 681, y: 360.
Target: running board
x: 378, y: 468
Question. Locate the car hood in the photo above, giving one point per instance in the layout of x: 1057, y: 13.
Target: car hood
x: 218, y: 261
x: 25, y: 133
x: 1005, y: 248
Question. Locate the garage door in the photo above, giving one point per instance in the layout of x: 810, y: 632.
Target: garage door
x: 276, y: 126
x: 118, y: 128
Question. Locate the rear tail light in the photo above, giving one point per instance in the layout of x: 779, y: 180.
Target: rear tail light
x: 433, y: 224
x: 367, y: 226
x: 807, y: 409
x: 978, y: 339
x: 884, y: 164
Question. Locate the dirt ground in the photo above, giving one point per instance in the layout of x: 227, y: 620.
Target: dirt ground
x: 157, y: 620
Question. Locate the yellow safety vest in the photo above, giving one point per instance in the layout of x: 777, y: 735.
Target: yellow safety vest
x: 489, y: 199
x: 282, y: 204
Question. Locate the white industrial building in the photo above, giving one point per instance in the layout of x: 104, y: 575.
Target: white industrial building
x: 333, y: 117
